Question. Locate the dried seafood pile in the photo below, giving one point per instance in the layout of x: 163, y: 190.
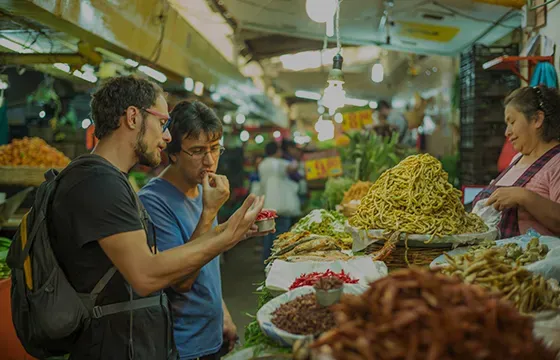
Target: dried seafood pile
x: 418, y: 314
x: 306, y: 246
x: 497, y: 269
x: 303, y: 316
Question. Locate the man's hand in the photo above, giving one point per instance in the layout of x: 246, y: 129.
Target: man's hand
x: 243, y: 219
x: 215, y: 192
x: 507, y: 198
x: 229, y: 332
x: 254, y: 232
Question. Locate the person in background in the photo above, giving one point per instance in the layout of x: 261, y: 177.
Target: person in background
x: 183, y: 203
x: 397, y: 121
x: 528, y: 191
x: 280, y: 191
x: 95, y: 224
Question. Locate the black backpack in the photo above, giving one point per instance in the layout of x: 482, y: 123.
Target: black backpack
x: 47, y: 312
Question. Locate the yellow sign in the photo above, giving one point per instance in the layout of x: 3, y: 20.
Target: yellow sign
x: 427, y: 32
x: 357, y: 120
x: 323, y: 168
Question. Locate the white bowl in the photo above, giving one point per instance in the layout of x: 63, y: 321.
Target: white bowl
x: 266, y: 225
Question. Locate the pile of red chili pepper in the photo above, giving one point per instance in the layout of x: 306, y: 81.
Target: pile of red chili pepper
x: 311, y: 278
x: 266, y: 214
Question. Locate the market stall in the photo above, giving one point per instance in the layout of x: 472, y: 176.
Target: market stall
x: 410, y: 216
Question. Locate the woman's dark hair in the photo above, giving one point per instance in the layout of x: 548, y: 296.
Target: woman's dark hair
x: 271, y: 149
x: 529, y: 100
x: 114, y: 96
x: 191, y: 119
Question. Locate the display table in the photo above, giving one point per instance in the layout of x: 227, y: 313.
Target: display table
x: 10, y: 347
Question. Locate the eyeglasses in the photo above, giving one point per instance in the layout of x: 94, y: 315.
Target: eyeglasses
x: 201, y: 153
x: 165, y: 125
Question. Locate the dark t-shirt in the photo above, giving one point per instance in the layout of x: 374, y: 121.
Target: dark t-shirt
x: 94, y: 201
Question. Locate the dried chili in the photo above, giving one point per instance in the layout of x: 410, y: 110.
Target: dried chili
x: 311, y: 278
x: 266, y: 214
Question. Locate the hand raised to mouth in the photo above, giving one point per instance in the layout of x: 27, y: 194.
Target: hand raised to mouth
x: 215, y: 192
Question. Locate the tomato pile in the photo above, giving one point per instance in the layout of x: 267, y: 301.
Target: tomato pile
x: 267, y: 214
x: 311, y: 278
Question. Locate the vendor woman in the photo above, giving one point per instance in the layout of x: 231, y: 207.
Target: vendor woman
x: 528, y: 191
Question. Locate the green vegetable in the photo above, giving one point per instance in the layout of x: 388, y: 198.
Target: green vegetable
x: 334, y: 191
x: 322, y: 222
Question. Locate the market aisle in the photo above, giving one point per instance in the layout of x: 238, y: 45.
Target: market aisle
x: 240, y: 271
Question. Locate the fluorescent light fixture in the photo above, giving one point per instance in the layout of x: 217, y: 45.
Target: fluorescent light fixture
x: 131, y: 62
x: 356, y: 102
x: 189, y: 84
x: 373, y: 104
x: 198, y: 88
x: 90, y: 77
x: 259, y: 139
x: 154, y: 74
x: 240, y: 119
x: 303, y: 94
x: 87, y: 76
x: 377, y: 73
x: 244, y: 136
x: 62, y: 67
x: 338, y: 118
x: 14, y: 46
x: 277, y: 134
x: 308, y: 59
x: 227, y: 119
x: 86, y: 123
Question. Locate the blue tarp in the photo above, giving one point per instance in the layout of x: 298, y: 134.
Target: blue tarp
x: 544, y: 74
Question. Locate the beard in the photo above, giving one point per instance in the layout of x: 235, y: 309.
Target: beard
x: 145, y: 157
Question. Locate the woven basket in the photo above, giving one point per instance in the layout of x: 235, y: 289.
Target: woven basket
x: 22, y: 175
x: 402, y: 258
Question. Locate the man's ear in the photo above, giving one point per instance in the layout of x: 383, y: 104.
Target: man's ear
x: 131, y: 117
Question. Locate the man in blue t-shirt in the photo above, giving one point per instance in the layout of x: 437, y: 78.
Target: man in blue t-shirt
x: 183, y: 203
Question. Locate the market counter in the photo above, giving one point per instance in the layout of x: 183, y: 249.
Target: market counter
x: 10, y: 347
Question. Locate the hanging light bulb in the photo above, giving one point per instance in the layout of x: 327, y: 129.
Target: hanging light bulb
x: 325, y: 128
x: 377, y: 73
x: 334, y: 96
x: 321, y: 10
x: 338, y: 118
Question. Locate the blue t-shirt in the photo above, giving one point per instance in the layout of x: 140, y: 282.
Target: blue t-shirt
x: 198, y: 313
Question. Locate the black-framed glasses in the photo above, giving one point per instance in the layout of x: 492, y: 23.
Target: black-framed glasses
x: 201, y: 153
x: 165, y: 125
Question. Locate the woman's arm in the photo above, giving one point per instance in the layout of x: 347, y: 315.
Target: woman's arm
x: 545, y: 211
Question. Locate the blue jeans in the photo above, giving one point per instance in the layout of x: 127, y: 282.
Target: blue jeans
x: 283, y: 224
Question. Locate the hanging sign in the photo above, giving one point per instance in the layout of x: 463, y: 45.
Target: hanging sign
x: 356, y: 120
x: 322, y: 164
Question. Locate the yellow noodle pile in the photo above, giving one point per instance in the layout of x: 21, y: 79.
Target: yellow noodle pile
x: 415, y: 197
x: 356, y: 191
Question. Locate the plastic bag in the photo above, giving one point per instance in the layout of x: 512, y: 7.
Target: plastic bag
x: 489, y: 215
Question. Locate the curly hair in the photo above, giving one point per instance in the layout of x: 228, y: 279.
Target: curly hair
x: 190, y: 119
x: 115, y: 95
x: 529, y: 100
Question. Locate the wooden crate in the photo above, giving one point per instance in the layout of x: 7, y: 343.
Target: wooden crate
x: 22, y: 175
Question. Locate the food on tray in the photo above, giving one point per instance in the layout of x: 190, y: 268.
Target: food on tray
x: 329, y: 255
x: 513, y: 253
x: 266, y: 215
x: 356, y: 192
x: 312, y: 278
x: 328, y: 283
x: 295, y: 244
x: 494, y: 270
x: 33, y: 152
x: 303, y: 316
x: 324, y: 222
x: 415, y: 197
x: 418, y: 314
